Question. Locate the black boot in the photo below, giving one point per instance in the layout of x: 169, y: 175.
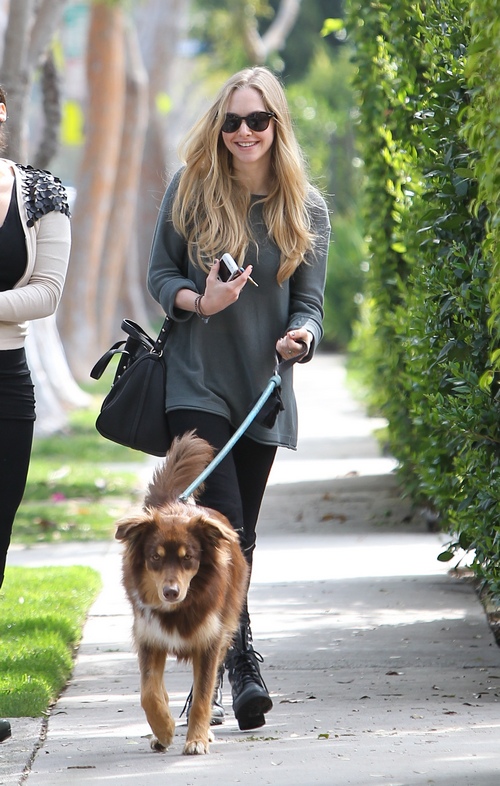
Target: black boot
x: 218, y: 714
x: 5, y: 730
x: 251, y: 698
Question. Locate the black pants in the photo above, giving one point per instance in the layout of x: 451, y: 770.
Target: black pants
x: 236, y: 486
x: 15, y: 448
x: 17, y: 416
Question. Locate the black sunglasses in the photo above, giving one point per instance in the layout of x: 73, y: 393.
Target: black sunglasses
x: 256, y: 121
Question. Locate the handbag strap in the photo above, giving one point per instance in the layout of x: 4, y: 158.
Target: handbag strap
x: 103, y: 362
x: 135, y: 331
x: 137, y: 334
x: 165, y: 329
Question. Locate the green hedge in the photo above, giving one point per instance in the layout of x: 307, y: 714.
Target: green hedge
x: 427, y: 77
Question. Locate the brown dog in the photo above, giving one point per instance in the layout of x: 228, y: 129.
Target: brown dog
x: 186, y: 579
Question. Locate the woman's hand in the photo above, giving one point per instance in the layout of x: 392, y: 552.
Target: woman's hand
x: 219, y: 294
x: 292, y: 344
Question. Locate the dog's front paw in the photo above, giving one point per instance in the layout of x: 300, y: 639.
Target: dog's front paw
x: 163, y: 734
x: 196, y: 747
x: 156, y: 745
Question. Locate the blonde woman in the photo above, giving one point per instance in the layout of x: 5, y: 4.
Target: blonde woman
x: 243, y: 190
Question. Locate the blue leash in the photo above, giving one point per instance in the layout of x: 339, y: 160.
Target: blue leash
x: 273, y: 383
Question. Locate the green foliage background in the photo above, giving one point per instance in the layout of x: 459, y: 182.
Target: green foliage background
x: 427, y: 77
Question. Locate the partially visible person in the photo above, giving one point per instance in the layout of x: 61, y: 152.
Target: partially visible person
x: 35, y: 239
x: 243, y: 190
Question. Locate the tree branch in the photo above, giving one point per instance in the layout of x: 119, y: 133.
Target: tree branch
x: 258, y: 47
x: 275, y: 36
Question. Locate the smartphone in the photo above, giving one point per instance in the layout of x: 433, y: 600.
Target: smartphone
x: 228, y: 269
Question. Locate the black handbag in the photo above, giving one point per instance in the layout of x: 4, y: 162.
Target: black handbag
x: 133, y: 412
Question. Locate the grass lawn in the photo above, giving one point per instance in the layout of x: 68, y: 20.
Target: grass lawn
x: 78, y: 485
x: 42, y: 611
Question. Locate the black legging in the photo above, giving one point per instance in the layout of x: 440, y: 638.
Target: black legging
x: 17, y: 416
x: 16, y: 437
x: 236, y: 486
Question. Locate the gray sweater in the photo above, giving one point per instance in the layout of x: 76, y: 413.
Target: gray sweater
x: 224, y: 365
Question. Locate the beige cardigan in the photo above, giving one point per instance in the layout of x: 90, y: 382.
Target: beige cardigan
x: 39, y: 290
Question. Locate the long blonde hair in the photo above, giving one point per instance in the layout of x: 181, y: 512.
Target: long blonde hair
x: 211, y: 208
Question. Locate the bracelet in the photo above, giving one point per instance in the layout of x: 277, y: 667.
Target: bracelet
x: 198, y: 310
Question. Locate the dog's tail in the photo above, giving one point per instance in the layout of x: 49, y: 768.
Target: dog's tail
x: 186, y: 459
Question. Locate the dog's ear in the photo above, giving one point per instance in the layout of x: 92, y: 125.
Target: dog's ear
x: 131, y: 528
x: 215, y: 527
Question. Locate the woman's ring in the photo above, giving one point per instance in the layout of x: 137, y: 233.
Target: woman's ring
x: 290, y: 352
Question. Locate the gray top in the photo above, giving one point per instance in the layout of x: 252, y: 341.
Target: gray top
x: 222, y: 366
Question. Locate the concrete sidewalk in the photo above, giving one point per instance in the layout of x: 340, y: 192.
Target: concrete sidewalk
x: 381, y: 666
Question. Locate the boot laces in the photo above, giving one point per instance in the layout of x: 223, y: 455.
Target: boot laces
x: 187, y: 703
x: 244, y: 668
x: 216, y: 698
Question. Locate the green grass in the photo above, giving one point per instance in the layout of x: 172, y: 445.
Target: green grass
x: 78, y: 484
x: 42, y: 611
x: 81, y: 439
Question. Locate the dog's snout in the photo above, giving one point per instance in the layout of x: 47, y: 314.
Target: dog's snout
x: 171, y: 592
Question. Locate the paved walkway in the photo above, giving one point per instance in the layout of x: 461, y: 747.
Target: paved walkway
x: 382, y: 667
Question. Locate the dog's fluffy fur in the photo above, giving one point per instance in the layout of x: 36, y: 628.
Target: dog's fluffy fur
x: 186, y: 579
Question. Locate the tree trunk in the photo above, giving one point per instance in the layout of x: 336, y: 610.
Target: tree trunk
x: 152, y: 187
x: 56, y: 391
x: 16, y: 77
x: 48, y: 16
x: 51, y: 91
x: 161, y: 24
x: 132, y: 300
x: 78, y: 316
x: 122, y: 224
x: 30, y: 27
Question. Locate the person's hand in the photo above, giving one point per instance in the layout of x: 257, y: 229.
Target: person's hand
x: 292, y: 344
x: 219, y: 294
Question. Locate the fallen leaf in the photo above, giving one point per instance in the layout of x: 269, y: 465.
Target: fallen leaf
x: 334, y: 516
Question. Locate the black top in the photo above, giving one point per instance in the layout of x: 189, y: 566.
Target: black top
x: 13, y: 254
